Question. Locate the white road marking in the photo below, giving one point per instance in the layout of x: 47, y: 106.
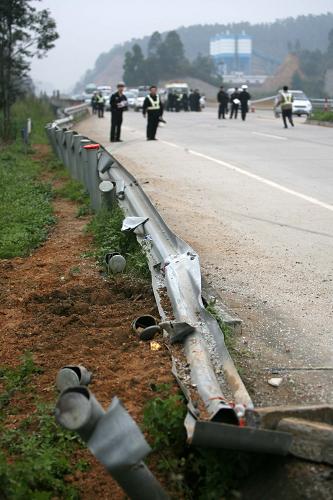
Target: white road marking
x: 271, y: 136
x: 258, y: 178
x: 172, y: 144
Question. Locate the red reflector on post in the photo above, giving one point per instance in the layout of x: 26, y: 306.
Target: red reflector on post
x: 91, y: 146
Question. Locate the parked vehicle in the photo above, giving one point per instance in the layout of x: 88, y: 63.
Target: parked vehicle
x: 142, y: 94
x: 88, y: 92
x: 301, y: 104
x: 131, y: 97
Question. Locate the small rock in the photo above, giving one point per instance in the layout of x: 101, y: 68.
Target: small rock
x: 275, y: 381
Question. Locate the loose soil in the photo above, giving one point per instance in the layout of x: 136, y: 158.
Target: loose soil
x: 58, y: 305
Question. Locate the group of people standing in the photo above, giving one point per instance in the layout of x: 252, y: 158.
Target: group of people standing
x: 177, y: 101
x: 98, y: 104
x: 152, y: 110
x: 153, y: 107
x: 238, y: 99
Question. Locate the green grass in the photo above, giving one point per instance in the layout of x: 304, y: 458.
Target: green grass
x: 73, y: 190
x: 106, y: 229
x: 26, y: 213
x: 25, y: 203
x: 40, y: 113
x: 323, y: 116
x: 192, y: 473
x: 35, y: 452
x: 15, y: 379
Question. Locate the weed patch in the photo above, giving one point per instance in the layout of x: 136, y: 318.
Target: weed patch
x: 35, y: 453
x: 106, y: 229
x: 193, y: 473
x: 25, y: 204
x: 322, y: 116
x: 75, y: 191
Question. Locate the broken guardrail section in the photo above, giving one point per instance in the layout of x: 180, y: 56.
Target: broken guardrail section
x: 112, y: 436
x: 220, y: 410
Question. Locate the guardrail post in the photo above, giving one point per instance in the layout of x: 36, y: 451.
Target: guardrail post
x: 68, y: 134
x: 84, y: 176
x: 50, y: 133
x: 76, y: 155
x: 93, y: 178
x: 59, y: 137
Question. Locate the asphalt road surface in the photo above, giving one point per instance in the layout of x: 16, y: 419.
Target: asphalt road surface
x: 256, y: 202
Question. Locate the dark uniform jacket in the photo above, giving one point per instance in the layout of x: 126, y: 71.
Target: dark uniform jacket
x: 222, y: 97
x: 234, y: 95
x: 244, y: 98
x: 118, y: 102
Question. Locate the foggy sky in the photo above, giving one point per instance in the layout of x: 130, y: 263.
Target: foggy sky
x: 89, y: 27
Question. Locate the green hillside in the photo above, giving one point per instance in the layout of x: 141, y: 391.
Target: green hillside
x: 270, y: 40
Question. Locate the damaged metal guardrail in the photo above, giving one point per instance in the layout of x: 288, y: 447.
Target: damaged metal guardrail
x: 112, y: 436
x: 70, y: 114
x: 220, y: 410
x: 175, y: 268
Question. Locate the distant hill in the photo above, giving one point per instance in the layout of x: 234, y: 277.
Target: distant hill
x: 271, y: 44
x: 283, y: 75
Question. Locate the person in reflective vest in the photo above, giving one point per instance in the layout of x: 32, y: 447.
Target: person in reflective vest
x: 285, y: 101
x: 153, y: 109
x: 100, y: 105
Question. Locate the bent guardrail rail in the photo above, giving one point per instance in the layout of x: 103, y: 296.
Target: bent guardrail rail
x: 174, y: 267
x: 220, y: 410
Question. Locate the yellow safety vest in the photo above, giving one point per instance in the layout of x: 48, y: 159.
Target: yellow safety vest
x: 155, y: 105
x: 287, y: 100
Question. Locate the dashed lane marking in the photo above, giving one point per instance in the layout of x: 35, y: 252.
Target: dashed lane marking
x: 270, y: 136
x: 263, y: 180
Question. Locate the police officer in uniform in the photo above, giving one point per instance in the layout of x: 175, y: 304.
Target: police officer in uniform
x: 244, y: 98
x: 285, y: 100
x: 235, y: 102
x: 118, y: 104
x: 94, y: 103
x: 152, y: 107
x: 222, y: 99
x: 100, y: 105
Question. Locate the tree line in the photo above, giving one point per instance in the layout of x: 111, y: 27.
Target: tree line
x: 166, y: 59
x: 24, y: 33
x: 313, y: 66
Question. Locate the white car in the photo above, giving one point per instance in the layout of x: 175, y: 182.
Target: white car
x: 301, y: 104
x: 142, y: 94
x: 131, y: 97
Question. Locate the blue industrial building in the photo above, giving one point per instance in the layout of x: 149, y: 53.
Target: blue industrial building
x: 232, y: 53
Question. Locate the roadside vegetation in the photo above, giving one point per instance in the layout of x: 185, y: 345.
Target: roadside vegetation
x: 26, y: 214
x: 193, y: 473
x: 35, y: 453
x: 322, y: 116
x: 106, y: 229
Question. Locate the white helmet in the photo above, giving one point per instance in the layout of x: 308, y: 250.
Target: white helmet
x: 244, y: 87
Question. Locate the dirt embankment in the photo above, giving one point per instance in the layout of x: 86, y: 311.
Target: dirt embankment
x: 58, y: 305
